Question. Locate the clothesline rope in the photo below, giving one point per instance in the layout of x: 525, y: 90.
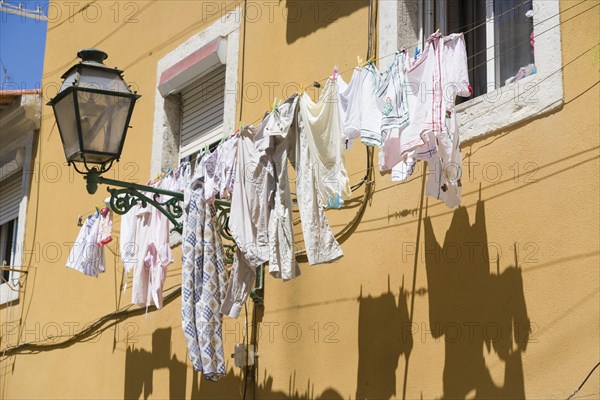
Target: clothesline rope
x: 480, y: 24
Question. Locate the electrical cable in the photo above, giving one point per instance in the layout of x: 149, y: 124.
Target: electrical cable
x: 583, y: 383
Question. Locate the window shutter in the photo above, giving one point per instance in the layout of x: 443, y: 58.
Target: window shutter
x: 202, y: 104
x: 10, y: 197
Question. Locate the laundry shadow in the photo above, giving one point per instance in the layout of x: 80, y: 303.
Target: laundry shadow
x: 140, y: 365
x: 384, y: 334
x: 231, y: 386
x: 305, y: 17
x: 475, y: 310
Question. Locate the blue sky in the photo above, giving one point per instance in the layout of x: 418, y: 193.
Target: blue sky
x: 22, y: 43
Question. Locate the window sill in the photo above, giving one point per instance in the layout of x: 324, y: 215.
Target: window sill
x: 518, y: 102
x: 7, y: 294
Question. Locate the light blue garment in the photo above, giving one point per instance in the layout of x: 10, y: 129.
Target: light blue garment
x: 335, y: 201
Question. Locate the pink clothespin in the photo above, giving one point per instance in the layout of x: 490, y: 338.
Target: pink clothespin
x: 335, y: 72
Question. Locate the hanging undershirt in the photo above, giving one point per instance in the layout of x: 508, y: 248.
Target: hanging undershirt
x: 320, y: 171
x: 358, y: 108
x: 252, y: 196
x: 87, y: 256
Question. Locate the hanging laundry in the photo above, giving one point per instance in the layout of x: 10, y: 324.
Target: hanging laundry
x: 241, y: 282
x: 307, y: 134
x: 226, y: 166
x: 127, y: 239
x: 445, y: 165
x: 432, y: 82
x: 86, y: 255
x: 218, y: 170
x: 392, y: 94
x: 252, y: 196
x: 152, y: 240
x: 359, y: 112
x: 282, y: 257
x: 270, y: 144
x: 105, y: 228
x: 203, y: 283
x: 320, y: 171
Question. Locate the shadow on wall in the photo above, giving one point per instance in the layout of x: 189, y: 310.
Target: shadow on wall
x: 141, y: 364
x: 231, y: 386
x: 384, y: 334
x: 305, y: 17
x: 475, y: 310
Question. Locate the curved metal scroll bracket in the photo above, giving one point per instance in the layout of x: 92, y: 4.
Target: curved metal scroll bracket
x: 123, y: 200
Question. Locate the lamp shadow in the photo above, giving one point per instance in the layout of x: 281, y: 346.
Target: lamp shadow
x: 140, y: 365
x: 475, y: 310
x: 384, y: 334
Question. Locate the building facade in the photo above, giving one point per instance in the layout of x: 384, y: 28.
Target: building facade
x: 497, y: 298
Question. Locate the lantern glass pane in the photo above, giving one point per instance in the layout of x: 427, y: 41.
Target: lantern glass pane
x: 102, y: 79
x: 64, y: 110
x: 69, y: 79
x: 103, y: 118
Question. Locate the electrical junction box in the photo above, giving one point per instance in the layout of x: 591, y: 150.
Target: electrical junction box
x: 242, y: 356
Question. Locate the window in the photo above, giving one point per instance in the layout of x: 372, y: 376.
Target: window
x: 196, y: 93
x: 8, y: 245
x: 498, y: 37
x: 202, y: 109
x: 498, y: 50
x: 10, y: 206
x: 19, y: 124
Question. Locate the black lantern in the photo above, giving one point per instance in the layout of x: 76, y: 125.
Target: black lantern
x: 92, y: 109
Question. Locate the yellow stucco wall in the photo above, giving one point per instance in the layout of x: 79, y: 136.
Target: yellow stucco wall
x: 364, y: 326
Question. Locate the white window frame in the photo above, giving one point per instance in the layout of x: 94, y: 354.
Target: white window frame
x: 167, y: 110
x: 25, y: 128
x: 504, y: 107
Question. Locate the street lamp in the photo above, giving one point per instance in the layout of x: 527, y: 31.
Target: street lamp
x: 92, y: 110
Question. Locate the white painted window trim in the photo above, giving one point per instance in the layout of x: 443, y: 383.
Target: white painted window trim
x: 167, y: 109
x: 24, y: 143
x: 502, y: 108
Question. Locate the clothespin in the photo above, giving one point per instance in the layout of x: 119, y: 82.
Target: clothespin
x: 336, y: 72
x: 301, y: 90
x: 370, y: 60
x: 359, y: 62
x: 274, y: 106
x: 223, y: 138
